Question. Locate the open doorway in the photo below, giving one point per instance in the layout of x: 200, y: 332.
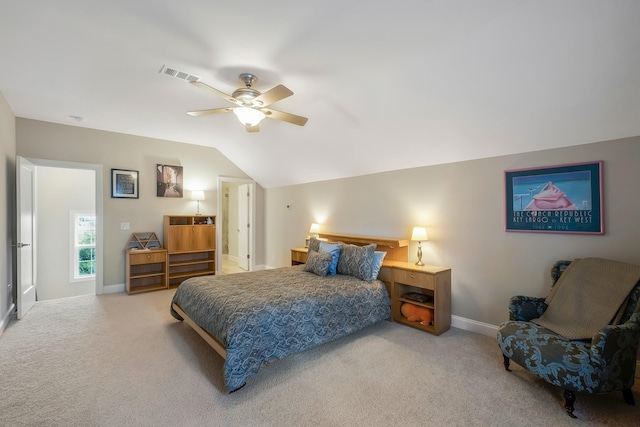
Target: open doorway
x: 235, y: 230
x: 67, y: 200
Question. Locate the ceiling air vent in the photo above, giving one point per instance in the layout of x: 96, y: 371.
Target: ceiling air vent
x: 178, y: 74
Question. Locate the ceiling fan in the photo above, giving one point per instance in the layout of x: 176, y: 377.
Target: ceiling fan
x: 251, y: 104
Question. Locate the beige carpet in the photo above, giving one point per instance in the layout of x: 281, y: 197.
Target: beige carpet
x: 119, y: 360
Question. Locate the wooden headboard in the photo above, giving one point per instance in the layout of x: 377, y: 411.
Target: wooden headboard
x: 396, y: 249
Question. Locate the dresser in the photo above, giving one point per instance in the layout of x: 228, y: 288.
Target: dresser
x: 190, y: 241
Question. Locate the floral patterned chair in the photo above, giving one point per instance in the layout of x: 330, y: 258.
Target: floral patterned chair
x: 603, y: 364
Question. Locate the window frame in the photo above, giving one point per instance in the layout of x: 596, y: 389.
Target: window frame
x: 74, y: 248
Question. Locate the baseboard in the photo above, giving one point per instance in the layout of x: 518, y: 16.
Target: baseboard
x: 474, y: 326
x: 113, y: 289
x: 8, y: 316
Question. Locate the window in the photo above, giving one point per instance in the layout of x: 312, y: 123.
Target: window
x: 84, y: 245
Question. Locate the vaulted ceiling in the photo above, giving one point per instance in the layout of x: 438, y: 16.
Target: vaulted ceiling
x: 385, y: 84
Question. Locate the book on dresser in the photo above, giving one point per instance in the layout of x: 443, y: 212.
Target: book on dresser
x: 191, y: 244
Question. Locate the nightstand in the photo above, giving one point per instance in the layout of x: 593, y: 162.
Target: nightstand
x: 146, y: 270
x: 429, y: 280
x: 299, y: 256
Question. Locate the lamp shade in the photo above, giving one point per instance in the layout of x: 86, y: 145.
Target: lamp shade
x: 248, y: 116
x: 197, y: 195
x: 419, y: 234
x: 315, y: 228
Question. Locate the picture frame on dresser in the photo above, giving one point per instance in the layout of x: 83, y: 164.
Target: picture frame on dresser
x: 555, y: 199
x: 124, y: 184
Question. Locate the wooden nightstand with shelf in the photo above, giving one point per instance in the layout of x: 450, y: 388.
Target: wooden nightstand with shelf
x: 146, y: 270
x: 429, y: 280
x: 299, y: 256
x: 146, y: 263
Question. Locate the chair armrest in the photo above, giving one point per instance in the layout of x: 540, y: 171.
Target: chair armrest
x: 617, y: 345
x: 522, y: 308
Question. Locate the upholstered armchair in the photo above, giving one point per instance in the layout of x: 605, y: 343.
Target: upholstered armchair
x: 602, y: 364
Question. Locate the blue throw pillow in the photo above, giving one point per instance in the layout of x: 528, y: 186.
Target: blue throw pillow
x: 334, y: 250
x: 378, y: 257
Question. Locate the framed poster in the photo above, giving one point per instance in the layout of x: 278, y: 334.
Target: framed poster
x: 555, y: 199
x: 169, y: 181
x: 124, y: 184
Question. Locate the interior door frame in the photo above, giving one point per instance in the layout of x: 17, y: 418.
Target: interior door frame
x: 252, y: 217
x: 98, y: 209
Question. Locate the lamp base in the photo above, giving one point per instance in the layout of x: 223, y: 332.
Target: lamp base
x: 420, y: 254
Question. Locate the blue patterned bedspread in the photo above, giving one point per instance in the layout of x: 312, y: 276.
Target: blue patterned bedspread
x: 270, y: 314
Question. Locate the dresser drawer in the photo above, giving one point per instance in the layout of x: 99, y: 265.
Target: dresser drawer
x: 148, y: 257
x: 298, y: 256
x: 415, y: 278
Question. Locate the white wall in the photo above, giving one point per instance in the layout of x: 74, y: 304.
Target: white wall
x: 462, y: 206
x: 58, y: 192
x: 7, y: 214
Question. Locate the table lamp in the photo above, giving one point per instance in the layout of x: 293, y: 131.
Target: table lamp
x: 419, y: 235
x: 197, y: 195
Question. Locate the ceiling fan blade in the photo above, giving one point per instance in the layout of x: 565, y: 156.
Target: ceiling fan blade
x: 285, y: 117
x: 253, y: 128
x: 272, y: 95
x: 216, y: 91
x: 212, y: 111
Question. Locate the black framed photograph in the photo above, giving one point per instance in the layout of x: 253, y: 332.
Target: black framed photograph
x: 169, y: 181
x: 555, y: 199
x: 124, y: 184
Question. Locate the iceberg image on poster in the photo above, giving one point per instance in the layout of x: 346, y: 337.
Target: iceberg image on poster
x: 566, y: 191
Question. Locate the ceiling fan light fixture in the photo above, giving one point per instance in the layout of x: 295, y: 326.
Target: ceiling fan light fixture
x: 248, y: 116
x: 251, y: 105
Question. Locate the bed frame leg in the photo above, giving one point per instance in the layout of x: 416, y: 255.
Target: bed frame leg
x: 236, y: 389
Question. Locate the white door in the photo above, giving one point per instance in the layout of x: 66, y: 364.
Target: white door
x: 25, y: 181
x: 243, y: 227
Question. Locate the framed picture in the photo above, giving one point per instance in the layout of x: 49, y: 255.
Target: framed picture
x: 124, y: 184
x: 555, y: 199
x: 169, y: 181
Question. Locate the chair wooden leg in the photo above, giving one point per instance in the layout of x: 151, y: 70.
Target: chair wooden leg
x: 569, y: 400
x: 506, y: 362
x: 628, y: 397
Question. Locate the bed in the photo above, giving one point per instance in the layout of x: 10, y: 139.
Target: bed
x: 253, y: 318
